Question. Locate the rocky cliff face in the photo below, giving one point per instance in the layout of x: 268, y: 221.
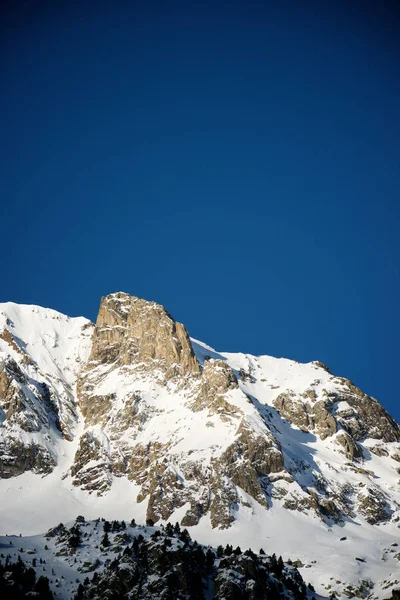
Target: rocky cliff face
x: 41, y: 352
x: 197, y: 435
x: 208, y: 432
x: 138, y: 344
x: 131, y: 331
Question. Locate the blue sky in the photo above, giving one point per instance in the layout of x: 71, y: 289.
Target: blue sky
x: 237, y: 162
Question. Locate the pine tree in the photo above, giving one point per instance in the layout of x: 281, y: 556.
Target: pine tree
x: 228, y: 550
x: 279, y: 566
x: 43, y: 589
x: 210, y: 558
x: 115, y: 526
x: 184, y: 536
x: 75, y: 537
x: 107, y: 526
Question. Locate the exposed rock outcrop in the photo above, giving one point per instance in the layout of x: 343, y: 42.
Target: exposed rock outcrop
x: 307, y: 416
x: 351, y: 448
x: 216, y: 380
x: 207, y: 434
x: 92, y: 469
x: 373, y: 506
x: 130, y: 330
x: 27, y: 407
x: 365, y: 417
x: 17, y: 457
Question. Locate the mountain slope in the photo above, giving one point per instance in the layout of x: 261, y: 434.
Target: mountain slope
x: 130, y: 561
x: 132, y: 418
x: 41, y: 353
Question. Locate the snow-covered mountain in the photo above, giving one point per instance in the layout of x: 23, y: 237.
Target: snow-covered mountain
x: 132, y: 418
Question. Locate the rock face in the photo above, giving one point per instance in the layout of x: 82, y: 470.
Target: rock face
x: 351, y: 449
x: 365, y: 417
x: 189, y: 429
x: 217, y: 379
x: 139, y: 341
x: 27, y: 406
x: 308, y: 416
x: 91, y: 469
x: 132, y: 412
x: 41, y: 352
x: 130, y: 330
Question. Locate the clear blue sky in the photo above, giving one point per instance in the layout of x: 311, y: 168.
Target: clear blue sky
x: 237, y: 162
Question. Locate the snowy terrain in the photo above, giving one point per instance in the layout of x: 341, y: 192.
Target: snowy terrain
x: 334, y: 552
x: 78, y: 558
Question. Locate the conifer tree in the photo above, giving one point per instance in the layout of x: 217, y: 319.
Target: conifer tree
x: 228, y: 550
x: 210, y: 558
x: 107, y: 526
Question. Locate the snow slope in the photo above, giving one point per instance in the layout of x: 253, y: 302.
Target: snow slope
x: 334, y: 553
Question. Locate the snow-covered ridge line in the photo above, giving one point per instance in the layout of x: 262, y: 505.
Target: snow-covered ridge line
x: 132, y: 418
x: 92, y: 559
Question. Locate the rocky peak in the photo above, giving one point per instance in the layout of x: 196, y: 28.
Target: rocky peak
x: 131, y: 330
x: 224, y: 443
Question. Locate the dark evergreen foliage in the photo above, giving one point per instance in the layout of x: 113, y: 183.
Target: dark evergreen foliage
x: 185, y: 537
x: 169, y: 565
x: 17, y: 581
x: 106, y: 526
x: 228, y: 550
x: 210, y: 559
x: 75, y: 536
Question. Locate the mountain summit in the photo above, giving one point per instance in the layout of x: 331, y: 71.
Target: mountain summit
x: 132, y: 415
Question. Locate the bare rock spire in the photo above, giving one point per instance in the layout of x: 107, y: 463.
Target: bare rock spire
x: 131, y: 330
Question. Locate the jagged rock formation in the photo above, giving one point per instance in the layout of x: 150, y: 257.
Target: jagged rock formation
x: 38, y: 368
x: 193, y: 432
x: 308, y: 416
x: 139, y: 366
x: 364, y: 417
x: 130, y: 331
x: 139, y: 340
x: 350, y: 447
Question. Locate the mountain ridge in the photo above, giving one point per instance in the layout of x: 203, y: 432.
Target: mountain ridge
x: 131, y: 414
